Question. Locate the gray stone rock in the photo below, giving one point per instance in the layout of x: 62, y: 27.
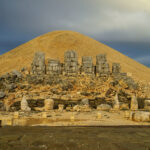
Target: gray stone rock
x: 2, y: 94
x: 87, y: 65
x: 104, y: 107
x: 84, y: 102
x: 17, y: 73
x: 102, y: 67
x: 38, y: 65
x: 71, y: 63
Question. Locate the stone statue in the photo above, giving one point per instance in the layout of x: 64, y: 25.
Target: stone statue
x: 24, y: 105
x: 102, y: 67
x: 116, y: 105
x: 134, y: 103
x: 48, y: 104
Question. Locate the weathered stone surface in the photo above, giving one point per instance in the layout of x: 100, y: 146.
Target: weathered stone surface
x: 49, y: 104
x: 147, y: 104
x: 102, y: 67
x: 116, y: 68
x: 24, y: 105
x: 85, y: 102
x: 124, y: 106
x: 87, y: 65
x: 17, y: 73
x: 81, y: 108
x: 134, y: 103
x: 104, y: 107
x: 116, y: 105
x: 38, y: 64
x: 2, y: 94
x: 60, y: 107
x: 141, y: 116
x: 53, y: 67
x: 71, y: 63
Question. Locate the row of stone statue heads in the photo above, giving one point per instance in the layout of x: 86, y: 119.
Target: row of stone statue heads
x: 71, y: 65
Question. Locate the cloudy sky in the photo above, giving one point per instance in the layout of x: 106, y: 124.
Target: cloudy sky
x: 121, y: 24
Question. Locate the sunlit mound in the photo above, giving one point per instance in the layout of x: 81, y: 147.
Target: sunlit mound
x: 54, y: 44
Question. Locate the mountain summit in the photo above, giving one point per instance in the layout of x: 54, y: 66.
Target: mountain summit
x: 55, y: 43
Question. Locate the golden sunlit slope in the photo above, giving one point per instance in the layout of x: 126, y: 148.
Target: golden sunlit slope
x: 54, y: 44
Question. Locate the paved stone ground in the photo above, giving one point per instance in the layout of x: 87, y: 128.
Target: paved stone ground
x: 74, y: 138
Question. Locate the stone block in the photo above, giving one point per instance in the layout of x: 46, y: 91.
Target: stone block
x: 104, y: 107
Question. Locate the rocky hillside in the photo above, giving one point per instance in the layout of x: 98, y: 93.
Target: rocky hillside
x: 54, y: 44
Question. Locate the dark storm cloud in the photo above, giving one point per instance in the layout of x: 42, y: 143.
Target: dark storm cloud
x: 105, y: 20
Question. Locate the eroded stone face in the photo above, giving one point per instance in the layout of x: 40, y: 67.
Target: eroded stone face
x: 38, y: 64
x: 53, y: 67
x: 24, y: 105
x: 48, y: 104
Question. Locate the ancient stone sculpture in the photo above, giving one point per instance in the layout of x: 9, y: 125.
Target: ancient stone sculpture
x: 38, y: 64
x: 48, y: 104
x: 116, y: 68
x: 24, y: 105
x: 116, y: 105
x: 87, y: 65
x: 102, y: 67
x: 71, y: 63
x: 147, y: 104
x: 134, y: 103
x: 53, y: 67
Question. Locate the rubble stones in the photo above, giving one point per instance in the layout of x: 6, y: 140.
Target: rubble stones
x: 38, y: 64
x: 134, y: 103
x: 104, y: 107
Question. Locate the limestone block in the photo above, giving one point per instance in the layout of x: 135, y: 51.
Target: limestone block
x: 147, y: 104
x: 24, y: 105
x: 141, y: 116
x: 116, y: 105
x: 85, y: 102
x: 16, y: 115
x: 99, y: 115
x: 134, y: 103
x: 104, y: 107
x: 48, y: 104
x: 124, y: 106
x: 44, y: 115
x: 60, y: 107
x: 127, y: 114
